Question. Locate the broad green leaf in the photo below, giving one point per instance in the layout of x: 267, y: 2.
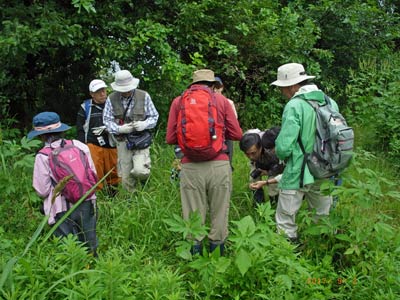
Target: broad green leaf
x: 343, y: 237
x: 243, y: 261
x: 222, y: 264
x: 285, y: 280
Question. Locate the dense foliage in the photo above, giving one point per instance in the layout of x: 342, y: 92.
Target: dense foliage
x: 353, y: 254
x: 50, y: 50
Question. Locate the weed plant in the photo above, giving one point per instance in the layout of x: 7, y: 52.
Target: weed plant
x: 352, y: 254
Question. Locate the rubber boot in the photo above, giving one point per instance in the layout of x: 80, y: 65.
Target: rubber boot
x: 214, y: 246
x: 197, y: 248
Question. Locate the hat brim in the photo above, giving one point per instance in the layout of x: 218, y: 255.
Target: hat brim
x: 285, y: 83
x: 203, y: 80
x: 125, y: 88
x: 34, y: 133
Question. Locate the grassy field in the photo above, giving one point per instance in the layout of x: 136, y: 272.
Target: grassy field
x: 353, y: 254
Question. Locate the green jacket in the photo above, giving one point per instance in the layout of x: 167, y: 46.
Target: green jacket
x: 298, y: 118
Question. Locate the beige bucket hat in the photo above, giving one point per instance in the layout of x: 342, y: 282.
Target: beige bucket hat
x: 291, y: 74
x: 203, y: 75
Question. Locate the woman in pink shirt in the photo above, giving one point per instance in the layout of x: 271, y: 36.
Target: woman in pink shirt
x: 82, y: 222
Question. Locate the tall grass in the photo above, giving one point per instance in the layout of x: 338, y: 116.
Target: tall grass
x: 353, y: 254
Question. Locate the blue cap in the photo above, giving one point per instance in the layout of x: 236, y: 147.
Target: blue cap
x: 219, y: 80
x: 46, y: 122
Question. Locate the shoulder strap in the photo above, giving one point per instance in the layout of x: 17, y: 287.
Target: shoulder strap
x: 314, y: 105
x: 45, y: 151
x: 88, y: 110
x: 303, y: 165
x: 328, y: 100
x: 87, y: 107
x: 126, y: 109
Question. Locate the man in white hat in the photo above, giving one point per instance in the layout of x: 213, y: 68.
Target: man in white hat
x: 92, y: 131
x: 130, y: 111
x: 298, y: 124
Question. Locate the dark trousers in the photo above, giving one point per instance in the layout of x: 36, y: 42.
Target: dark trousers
x: 82, y: 223
x: 258, y: 196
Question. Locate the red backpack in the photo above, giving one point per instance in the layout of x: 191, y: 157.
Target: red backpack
x: 70, y: 160
x: 199, y: 134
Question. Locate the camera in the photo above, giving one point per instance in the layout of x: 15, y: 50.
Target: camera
x: 255, y: 173
x: 276, y: 169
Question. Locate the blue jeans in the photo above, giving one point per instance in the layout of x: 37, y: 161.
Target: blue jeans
x: 82, y: 223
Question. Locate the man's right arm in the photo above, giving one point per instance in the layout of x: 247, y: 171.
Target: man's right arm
x: 288, y: 135
x: 232, y: 127
x: 108, y: 118
x: 41, y: 176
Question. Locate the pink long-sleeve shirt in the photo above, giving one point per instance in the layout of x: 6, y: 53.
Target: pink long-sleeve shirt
x: 42, y: 181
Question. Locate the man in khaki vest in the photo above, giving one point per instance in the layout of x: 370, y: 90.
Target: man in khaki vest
x: 129, y: 110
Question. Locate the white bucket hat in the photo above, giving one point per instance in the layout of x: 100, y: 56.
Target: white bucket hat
x: 124, y: 82
x: 291, y: 74
x: 96, y: 84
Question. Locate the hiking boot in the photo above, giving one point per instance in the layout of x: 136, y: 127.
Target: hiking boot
x: 293, y: 240
x: 214, y: 246
x: 197, y: 248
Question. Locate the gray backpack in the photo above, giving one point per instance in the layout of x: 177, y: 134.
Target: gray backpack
x: 333, y: 146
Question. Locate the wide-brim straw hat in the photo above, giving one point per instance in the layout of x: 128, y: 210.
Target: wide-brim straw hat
x: 124, y: 82
x: 291, y: 74
x: 47, y: 122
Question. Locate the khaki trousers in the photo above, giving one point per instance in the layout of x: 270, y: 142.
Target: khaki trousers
x: 206, y: 186
x: 133, y: 165
x: 290, y: 202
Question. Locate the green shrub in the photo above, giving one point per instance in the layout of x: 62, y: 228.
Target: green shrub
x: 374, y: 104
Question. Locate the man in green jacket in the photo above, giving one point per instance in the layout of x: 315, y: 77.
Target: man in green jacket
x: 298, y: 121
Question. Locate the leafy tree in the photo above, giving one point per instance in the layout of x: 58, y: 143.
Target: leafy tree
x: 57, y: 47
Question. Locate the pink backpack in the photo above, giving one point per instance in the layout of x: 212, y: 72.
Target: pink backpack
x: 70, y: 160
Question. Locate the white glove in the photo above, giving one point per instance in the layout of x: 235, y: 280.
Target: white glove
x: 126, y: 128
x: 140, y: 125
x: 98, y: 130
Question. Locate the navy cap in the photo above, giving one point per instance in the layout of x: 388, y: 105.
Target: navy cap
x: 46, y: 122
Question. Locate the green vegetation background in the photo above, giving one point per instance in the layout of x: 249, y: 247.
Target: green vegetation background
x: 50, y: 50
